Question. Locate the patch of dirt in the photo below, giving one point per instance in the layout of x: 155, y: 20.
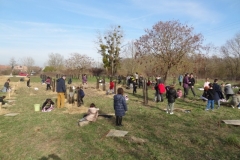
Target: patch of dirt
x: 75, y: 110
x: 4, y: 111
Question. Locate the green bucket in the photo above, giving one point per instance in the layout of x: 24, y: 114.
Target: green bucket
x: 37, y: 107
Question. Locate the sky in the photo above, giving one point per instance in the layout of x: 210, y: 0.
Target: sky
x: 36, y: 28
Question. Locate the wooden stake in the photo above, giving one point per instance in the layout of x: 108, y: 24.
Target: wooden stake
x: 0, y: 106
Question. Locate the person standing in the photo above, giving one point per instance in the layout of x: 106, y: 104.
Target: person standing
x: 161, y: 88
x: 185, y: 85
x: 111, y: 87
x: 180, y: 79
x: 120, y: 106
x: 61, y: 89
x: 191, y: 84
x: 81, y: 95
x: 210, y: 96
x: 84, y: 79
x: 171, y: 95
x: 217, y: 92
x: 6, y: 86
x: 28, y: 80
x: 48, y: 82
x: 136, y: 77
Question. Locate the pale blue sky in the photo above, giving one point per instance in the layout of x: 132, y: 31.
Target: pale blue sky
x: 35, y: 28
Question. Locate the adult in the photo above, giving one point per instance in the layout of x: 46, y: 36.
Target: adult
x: 185, y: 85
x: 6, y: 86
x: 180, y: 79
x: 217, y: 92
x: 191, y: 84
x: 48, y: 82
x: 120, y: 106
x: 61, y: 89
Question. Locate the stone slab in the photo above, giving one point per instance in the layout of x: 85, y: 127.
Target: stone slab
x: 11, y: 114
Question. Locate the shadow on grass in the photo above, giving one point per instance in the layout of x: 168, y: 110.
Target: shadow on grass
x: 51, y: 156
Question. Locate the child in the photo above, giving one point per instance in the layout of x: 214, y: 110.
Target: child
x: 91, y: 115
x: 81, y: 94
x: 179, y: 93
x: 1, y: 99
x: 236, y: 100
x: 228, y: 91
x: 111, y: 87
x: 134, y: 87
x: 157, y: 95
x: 47, y: 105
x: 204, y: 95
x: 162, y: 89
x: 48, y: 82
x: 171, y: 95
x: 210, y: 96
x: 6, y: 86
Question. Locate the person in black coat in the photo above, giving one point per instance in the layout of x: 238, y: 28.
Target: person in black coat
x: 217, y: 92
x: 210, y: 96
x: 191, y: 84
x: 81, y: 94
x: 61, y: 89
x: 171, y: 95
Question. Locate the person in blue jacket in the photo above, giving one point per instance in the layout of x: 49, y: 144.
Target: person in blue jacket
x: 61, y: 89
x: 120, y: 106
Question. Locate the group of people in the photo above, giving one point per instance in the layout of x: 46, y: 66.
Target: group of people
x: 215, y: 93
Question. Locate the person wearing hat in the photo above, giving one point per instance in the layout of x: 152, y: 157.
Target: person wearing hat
x: 61, y: 89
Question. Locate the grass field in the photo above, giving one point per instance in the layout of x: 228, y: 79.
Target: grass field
x: 55, y: 135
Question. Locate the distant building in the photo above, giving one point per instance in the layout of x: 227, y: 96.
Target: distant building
x: 21, y: 68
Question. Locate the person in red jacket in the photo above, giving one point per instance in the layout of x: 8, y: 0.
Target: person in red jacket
x: 111, y: 87
x: 162, y: 89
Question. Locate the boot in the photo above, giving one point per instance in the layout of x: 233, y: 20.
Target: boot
x: 120, y: 121
x: 117, y: 120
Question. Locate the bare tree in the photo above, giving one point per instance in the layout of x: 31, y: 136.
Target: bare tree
x: 110, y: 47
x: 231, y: 54
x: 12, y: 63
x: 78, y: 63
x: 55, y: 60
x: 130, y: 59
x: 169, y: 42
x: 29, y: 63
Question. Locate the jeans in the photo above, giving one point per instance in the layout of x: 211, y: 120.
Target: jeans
x: 210, y: 104
x: 170, y: 107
